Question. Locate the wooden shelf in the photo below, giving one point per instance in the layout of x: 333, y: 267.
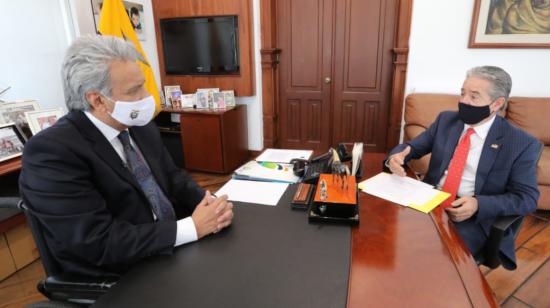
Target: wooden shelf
x: 10, y: 166
x: 214, y: 140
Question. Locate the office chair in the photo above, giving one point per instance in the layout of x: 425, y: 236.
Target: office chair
x: 64, y: 290
x: 490, y: 254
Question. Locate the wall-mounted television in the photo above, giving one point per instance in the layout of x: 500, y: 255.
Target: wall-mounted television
x: 206, y: 45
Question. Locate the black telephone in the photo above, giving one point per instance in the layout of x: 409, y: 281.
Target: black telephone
x: 311, y: 170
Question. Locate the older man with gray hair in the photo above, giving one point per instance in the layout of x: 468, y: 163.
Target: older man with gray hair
x: 100, y: 181
x: 485, y: 164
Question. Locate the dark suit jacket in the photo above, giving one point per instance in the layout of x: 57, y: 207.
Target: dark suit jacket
x: 506, y: 182
x: 97, y: 220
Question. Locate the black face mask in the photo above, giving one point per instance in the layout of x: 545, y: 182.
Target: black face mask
x: 473, y: 114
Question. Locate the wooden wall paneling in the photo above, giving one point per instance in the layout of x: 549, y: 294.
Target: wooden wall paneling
x: 401, y: 54
x: 270, y: 89
x: 243, y: 84
x: 270, y: 82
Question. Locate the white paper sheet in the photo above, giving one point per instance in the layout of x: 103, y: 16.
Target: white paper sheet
x: 401, y: 190
x: 282, y: 155
x: 267, y: 193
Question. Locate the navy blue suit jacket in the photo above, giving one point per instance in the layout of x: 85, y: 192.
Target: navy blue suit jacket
x: 506, y: 182
x: 97, y: 219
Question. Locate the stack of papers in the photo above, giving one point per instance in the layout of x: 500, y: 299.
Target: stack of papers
x: 266, y: 171
x: 283, y: 156
x: 266, y: 178
x: 404, y: 191
x: 267, y: 193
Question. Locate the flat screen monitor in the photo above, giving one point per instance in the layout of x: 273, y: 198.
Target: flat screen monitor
x: 201, y: 45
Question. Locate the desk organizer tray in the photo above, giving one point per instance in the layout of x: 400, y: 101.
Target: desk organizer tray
x: 333, y: 203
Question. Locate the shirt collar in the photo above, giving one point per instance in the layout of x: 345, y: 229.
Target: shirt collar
x: 109, y: 132
x: 482, y: 130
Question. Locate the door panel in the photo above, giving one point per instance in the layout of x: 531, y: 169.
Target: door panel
x: 362, y: 77
x: 305, y: 39
x: 335, y: 72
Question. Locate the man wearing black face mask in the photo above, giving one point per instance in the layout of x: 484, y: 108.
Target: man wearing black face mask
x: 487, y: 165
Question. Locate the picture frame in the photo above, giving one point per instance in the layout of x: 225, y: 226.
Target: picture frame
x: 188, y: 101
x: 219, y: 100
x: 229, y: 98
x: 209, y: 92
x: 134, y: 11
x: 168, y: 94
x: 14, y: 112
x: 509, y: 24
x: 12, y: 141
x: 202, y: 100
x: 41, y: 119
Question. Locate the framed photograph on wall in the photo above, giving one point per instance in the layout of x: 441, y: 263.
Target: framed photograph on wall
x: 42, y: 119
x: 11, y: 141
x: 134, y: 11
x: 510, y: 24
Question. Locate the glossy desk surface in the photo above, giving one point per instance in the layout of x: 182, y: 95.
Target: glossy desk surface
x: 399, y: 258
x: 402, y: 257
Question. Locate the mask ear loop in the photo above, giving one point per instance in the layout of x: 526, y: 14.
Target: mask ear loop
x: 111, y: 101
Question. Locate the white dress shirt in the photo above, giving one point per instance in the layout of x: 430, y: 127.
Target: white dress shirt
x: 477, y: 139
x: 186, y: 231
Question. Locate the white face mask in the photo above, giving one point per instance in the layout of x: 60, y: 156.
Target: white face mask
x: 137, y: 113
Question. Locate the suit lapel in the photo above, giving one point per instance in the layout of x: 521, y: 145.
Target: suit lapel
x: 101, y: 146
x: 489, y: 153
x: 454, y: 134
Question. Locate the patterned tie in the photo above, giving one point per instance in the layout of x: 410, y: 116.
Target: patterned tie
x: 456, y: 168
x: 160, y: 204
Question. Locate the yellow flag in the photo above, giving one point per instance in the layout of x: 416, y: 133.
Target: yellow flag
x: 115, y: 21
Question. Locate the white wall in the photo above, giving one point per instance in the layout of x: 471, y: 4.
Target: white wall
x: 34, y: 37
x: 439, y: 56
x: 254, y: 103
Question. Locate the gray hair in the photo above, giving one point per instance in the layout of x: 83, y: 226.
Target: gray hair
x: 86, y: 67
x: 499, y: 78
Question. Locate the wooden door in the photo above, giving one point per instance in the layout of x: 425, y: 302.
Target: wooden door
x: 335, y: 72
x: 305, y: 40
x: 363, y: 57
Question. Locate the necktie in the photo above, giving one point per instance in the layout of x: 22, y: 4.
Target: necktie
x: 136, y: 163
x: 456, y: 168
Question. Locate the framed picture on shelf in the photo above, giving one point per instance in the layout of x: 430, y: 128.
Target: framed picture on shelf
x: 209, y: 96
x: 188, y: 100
x: 510, y: 24
x: 202, y: 100
x: 42, y: 119
x: 219, y: 100
x: 168, y: 94
x: 12, y: 140
x: 14, y: 112
x: 175, y: 97
x: 229, y: 98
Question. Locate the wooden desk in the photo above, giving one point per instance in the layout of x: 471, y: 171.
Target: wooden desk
x: 399, y: 258
x: 404, y: 257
